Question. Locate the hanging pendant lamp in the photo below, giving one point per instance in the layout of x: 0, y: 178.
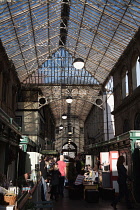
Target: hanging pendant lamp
x: 64, y: 116
x: 78, y: 63
x: 61, y: 127
x: 69, y: 100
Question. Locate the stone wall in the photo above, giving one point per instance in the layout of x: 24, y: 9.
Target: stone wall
x: 126, y: 108
x: 9, y: 84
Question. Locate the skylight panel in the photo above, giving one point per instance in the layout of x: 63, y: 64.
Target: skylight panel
x: 18, y: 8
x: 76, y: 14
x: 39, y: 35
x: 122, y: 37
x: 115, y: 11
x: 86, y: 36
x: 54, y: 10
x: 7, y: 35
x: 130, y: 21
x: 73, y: 26
x: 60, y: 65
x: 93, y: 12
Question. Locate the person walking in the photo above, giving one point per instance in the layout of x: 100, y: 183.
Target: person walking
x: 43, y: 174
x: 62, y: 169
x: 122, y: 182
x: 55, y: 175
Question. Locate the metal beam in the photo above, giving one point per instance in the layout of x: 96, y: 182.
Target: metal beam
x: 30, y: 12
x: 12, y: 20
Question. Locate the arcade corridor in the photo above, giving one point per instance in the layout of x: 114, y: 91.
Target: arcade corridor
x: 69, y: 84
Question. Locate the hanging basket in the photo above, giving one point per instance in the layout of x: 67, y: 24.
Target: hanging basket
x: 10, y: 198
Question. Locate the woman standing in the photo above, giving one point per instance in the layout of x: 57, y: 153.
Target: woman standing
x: 122, y: 182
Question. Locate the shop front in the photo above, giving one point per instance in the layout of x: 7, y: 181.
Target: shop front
x: 128, y: 145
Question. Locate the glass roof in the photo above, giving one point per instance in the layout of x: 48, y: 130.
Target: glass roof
x: 98, y: 31
x: 59, y: 69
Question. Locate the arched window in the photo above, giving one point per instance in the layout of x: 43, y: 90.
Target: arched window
x: 126, y: 126
x: 137, y: 122
x: 69, y: 150
x: 125, y: 88
x: 136, y: 73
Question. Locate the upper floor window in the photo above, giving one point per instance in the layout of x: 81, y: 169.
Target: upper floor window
x: 27, y: 95
x: 136, y: 73
x: 109, y: 86
x: 18, y: 120
x: 42, y: 128
x: 125, y: 90
x: 81, y: 130
x: 13, y: 97
x: 57, y: 130
x: 137, y: 122
x: 4, y: 91
x: 126, y: 126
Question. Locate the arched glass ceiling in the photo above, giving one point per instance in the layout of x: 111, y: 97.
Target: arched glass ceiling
x: 96, y: 30
x: 59, y: 70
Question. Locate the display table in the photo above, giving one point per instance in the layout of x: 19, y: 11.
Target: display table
x: 89, y: 186
x: 21, y: 202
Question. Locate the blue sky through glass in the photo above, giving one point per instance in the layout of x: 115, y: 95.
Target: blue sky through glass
x: 59, y: 70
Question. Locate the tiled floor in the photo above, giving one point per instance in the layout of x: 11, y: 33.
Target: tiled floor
x: 68, y: 204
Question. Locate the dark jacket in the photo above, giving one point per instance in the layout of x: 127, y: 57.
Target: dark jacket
x: 78, y: 166
x: 71, y: 171
x: 55, y: 174
x: 122, y: 175
x: 43, y: 169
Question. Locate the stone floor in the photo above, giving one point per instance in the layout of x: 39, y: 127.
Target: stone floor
x: 68, y: 204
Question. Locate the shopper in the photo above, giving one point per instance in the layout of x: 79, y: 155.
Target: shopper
x: 62, y: 169
x: 80, y: 178
x: 55, y: 175
x: 43, y: 173
x: 71, y: 172
x: 122, y: 182
x: 78, y: 164
x: 78, y: 184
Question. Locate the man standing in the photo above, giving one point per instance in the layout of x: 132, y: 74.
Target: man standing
x: 122, y: 182
x: 43, y: 173
x: 62, y: 169
x: 78, y: 164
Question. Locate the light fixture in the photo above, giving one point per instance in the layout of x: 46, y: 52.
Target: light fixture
x: 78, y: 63
x: 64, y: 116
x: 69, y: 129
x: 69, y: 132
x: 99, y: 101
x: 69, y: 100
x: 61, y: 127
